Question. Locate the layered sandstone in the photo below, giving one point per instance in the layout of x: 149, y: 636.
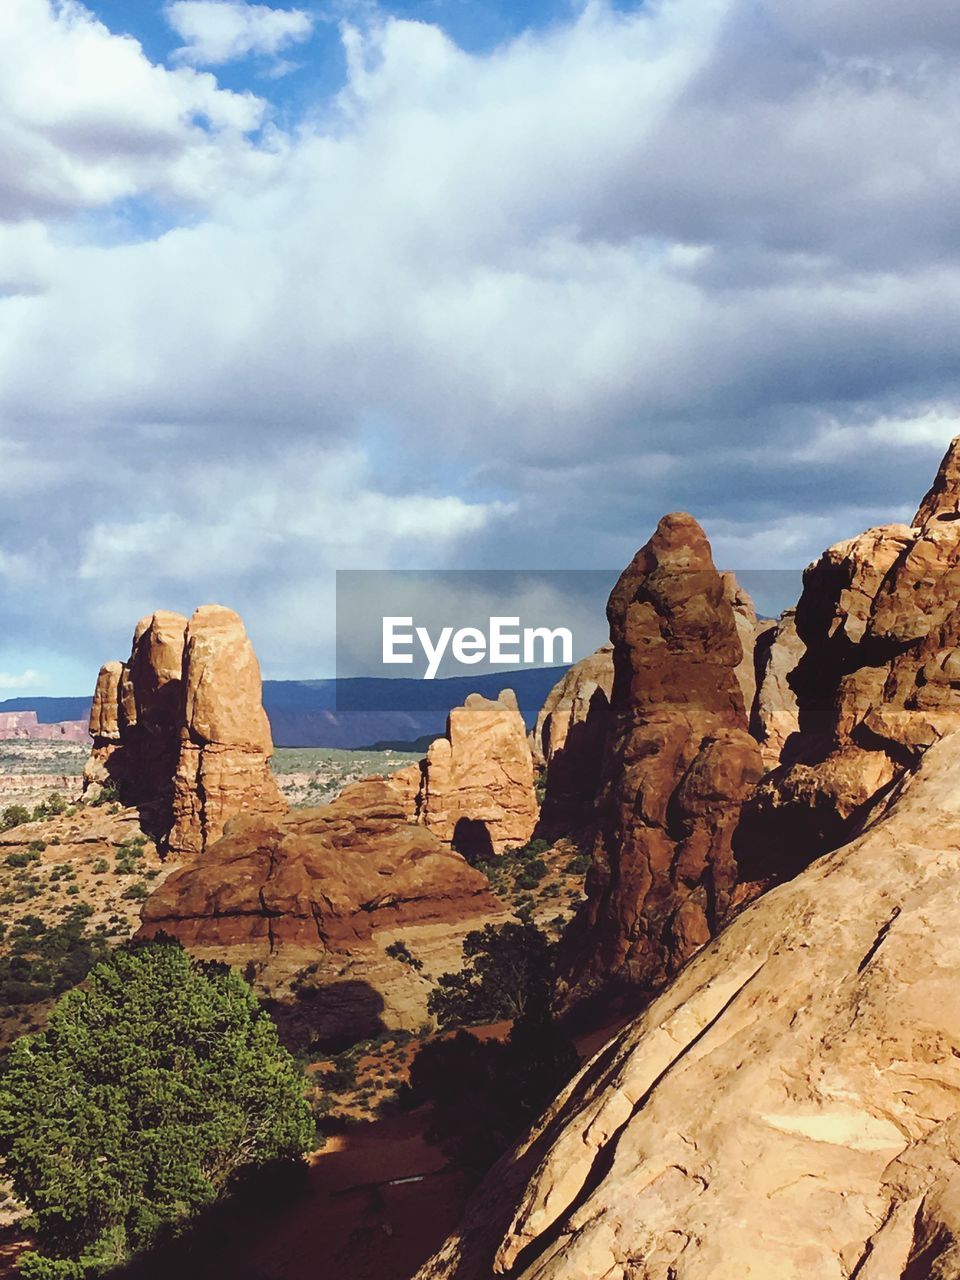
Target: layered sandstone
x: 223, y: 764
x: 26, y: 724
x: 749, y: 627
x: 879, y: 680
x: 477, y: 789
x: 789, y: 1107
x: 332, y: 886
x: 569, y: 703
x: 180, y: 728
x: 775, y: 716
x: 678, y: 765
x: 569, y: 739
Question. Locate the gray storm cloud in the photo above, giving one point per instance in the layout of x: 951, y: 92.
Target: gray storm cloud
x: 498, y: 310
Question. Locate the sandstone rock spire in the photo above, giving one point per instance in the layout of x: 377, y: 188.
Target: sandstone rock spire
x: 180, y: 728
x: 679, y: 763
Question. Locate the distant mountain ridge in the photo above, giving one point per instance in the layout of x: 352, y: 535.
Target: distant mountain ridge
x: 358, y: 712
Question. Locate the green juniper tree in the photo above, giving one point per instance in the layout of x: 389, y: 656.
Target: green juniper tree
x: 151, y: 1088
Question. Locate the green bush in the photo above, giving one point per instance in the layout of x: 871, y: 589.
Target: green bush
x: 109, y: 794
x: 14, y: 816
x: 50, y: 808
x: 142, y: 1101
x: 579, y: 864
x: 506, y: 968
x: 22, y: 859
x: 43, y: 962
x: 400, y: 951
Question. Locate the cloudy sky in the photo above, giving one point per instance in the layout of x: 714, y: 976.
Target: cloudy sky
x: 455, y: 283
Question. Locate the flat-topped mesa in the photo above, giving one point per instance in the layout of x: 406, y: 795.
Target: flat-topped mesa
x: 477, y: 789
x: 677, y: 767
x: 180, y: 728
x: 878, y: 684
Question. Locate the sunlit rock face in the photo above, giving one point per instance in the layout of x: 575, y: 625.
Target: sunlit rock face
x: 568, y: 741
x: 180, y: 728
x: 677, y: 766
x: 477, y: 788
x: 789, y: 1107
x: 878, y: 681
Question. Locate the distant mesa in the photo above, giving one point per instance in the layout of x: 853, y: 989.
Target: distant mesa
x: 26, y: 724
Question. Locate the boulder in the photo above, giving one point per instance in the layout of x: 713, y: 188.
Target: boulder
x: 678, y: 765
x: 477, y: 791
x: 789, y: 1107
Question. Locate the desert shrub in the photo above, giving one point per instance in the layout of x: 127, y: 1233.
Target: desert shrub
x: 579, y: 864
x: 532, y: 872
x: 400, y: 951
x: 100, y: 866
x: 506, y: 969
x: 14, y: 816
x: 50, y: 808
x: 109, y: 794
x: 42, y: 962
x: 486, y: 1093
x: 147, y: 1095
x: 22, y: 859
x: 137, y: 892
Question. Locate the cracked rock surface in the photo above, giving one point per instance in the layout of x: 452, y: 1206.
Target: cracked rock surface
x: 788, y: 1108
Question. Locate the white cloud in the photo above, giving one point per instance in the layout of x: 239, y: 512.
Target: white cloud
x: 86, y: 118
x: 501, y: 309
x: 219, y: 31
x: 28, y: 679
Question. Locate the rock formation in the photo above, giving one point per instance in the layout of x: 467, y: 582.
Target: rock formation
x: 569, y: 739
x: 678, y: 765
x: 789, y: 1107
x: 749, y: 628
x: 180, y: 728
x: 477, y: 788
x: 879, y: 680
x: 569, y: 702
x: 223, y: 767
x: 775, y: 716
x: 331, y: 886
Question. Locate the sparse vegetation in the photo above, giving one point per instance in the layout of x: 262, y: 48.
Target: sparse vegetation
x: 42, y: 962
x: 400, y: 951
